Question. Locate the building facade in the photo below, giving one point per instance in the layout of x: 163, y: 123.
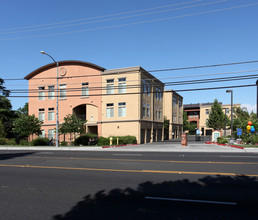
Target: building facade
x: 199, y: 113
x: 117, y: 102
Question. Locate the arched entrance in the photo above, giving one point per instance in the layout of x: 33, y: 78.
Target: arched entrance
x: 89, y: 113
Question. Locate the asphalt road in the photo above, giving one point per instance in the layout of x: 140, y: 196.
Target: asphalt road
x: 128, y: 185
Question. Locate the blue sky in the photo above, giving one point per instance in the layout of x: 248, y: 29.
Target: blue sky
x: 117, y: 34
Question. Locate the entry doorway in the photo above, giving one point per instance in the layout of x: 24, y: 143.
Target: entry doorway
x: 92, y: 129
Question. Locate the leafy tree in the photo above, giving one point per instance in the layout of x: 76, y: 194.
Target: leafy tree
x: 186, y: 124
x: 216, y: 118
x: 72, y: 125
x: 7, y: 115
x: 3, y: 89
x: 24, y: 110
x: 2, y: 132
x: 27, y: 125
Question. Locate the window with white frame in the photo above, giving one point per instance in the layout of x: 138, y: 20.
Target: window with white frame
x: 42, y: 135
x: 42, y: 114
x: 148, y: 88
x: 143, y: 86
x: 227, y: 111
x: 143, y: 110
x: 157, y: 93
x: 62, y: 90
x: 122, y: 109
x: 85, y: 89
x: 157, y: 113
x: 110, y: 110
x: 51, y: 133
x: 122, y: 85
x: 51, y: 114
x: 148, y: 111
x: 207, y: 111
x: 42, y: 93
x: 51, y: 92
x: 110, y: 86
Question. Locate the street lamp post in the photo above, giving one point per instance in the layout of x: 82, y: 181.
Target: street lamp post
x: 57, y: 122
x: 231, y: 91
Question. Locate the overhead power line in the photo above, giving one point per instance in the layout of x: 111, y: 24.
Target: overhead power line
x: 130, y: 24
x: 112, y: 19
x: 133, y: 93
x: 135, y: 86
x: 97, y: 17
x: 205, y: 66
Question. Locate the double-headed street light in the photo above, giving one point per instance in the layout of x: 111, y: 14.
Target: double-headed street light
x: 231, y: 91
x: 57, y: 122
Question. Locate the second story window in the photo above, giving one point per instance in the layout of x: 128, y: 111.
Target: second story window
x: 122, y: 85
x: 207, y: 111
x: 51, y: 92
x: 227, y: 111
x: 51, y: 114
x: 143, y: 110
x: 148, y: 111
x: 42, y: 93
x: 42, y: 114
x: 110, y: 86
x: 122, y: 109
x: 110, y: 110
x: 85, y: 89
x: 62, y: 91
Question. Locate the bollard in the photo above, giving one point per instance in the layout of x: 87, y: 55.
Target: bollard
x: 110, y: 141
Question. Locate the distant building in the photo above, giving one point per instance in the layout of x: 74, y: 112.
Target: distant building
x: 199, y: 113
x: 117, y: 102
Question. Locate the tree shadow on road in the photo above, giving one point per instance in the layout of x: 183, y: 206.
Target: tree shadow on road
x: 8, y: 156
x: 132, y: 203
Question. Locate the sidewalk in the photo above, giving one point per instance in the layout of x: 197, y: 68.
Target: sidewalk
x: 151, y: 147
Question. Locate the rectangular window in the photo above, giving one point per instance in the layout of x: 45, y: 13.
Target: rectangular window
x: 148, y: 88
x: 207, y: 111
x: 110, y: 86
x: 42, y: 93
x: 143, y: 86
x: 143, y: 110
x: 62, y: 88
x: 148, y: 111
x: 110, y: 110
x: 85, y: 89
x: 157, y: 93
x: 51, y: 92
x: 42, y: 135
x: 122, y: 85
x: 42, y: 114
x: 51, y: 114
x: 227, y: 111
x: 122, y: 109
x: 157, y: 113
x: 51, y: 133
x: 160, y: 114
x: 160, y: 94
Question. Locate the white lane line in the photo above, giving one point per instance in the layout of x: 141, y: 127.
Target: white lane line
x: 127, y: 154
x: 242, y: 156
x: 191, y: 200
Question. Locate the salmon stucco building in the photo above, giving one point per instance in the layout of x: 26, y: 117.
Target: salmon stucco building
x: 116, y: 102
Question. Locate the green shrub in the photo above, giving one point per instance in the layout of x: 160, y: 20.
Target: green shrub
x: 24, y: 142
x: 2, y: 141
x: 102, y: 141
x: 40, y: 142
x: 11, y: 142
x: 64, y: 143
x: 251, y: 139
x: 127, y: 140
x: 222, y: 140
x: 84, y: 139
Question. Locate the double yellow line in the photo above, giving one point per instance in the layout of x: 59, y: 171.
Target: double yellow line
x: 130, y: 171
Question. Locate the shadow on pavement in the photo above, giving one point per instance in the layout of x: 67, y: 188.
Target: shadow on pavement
x: 8, y: 156
x: 132, y: 203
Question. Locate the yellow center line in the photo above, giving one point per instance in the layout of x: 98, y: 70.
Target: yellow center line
x: 132, y: 160
x: 131, y: 171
